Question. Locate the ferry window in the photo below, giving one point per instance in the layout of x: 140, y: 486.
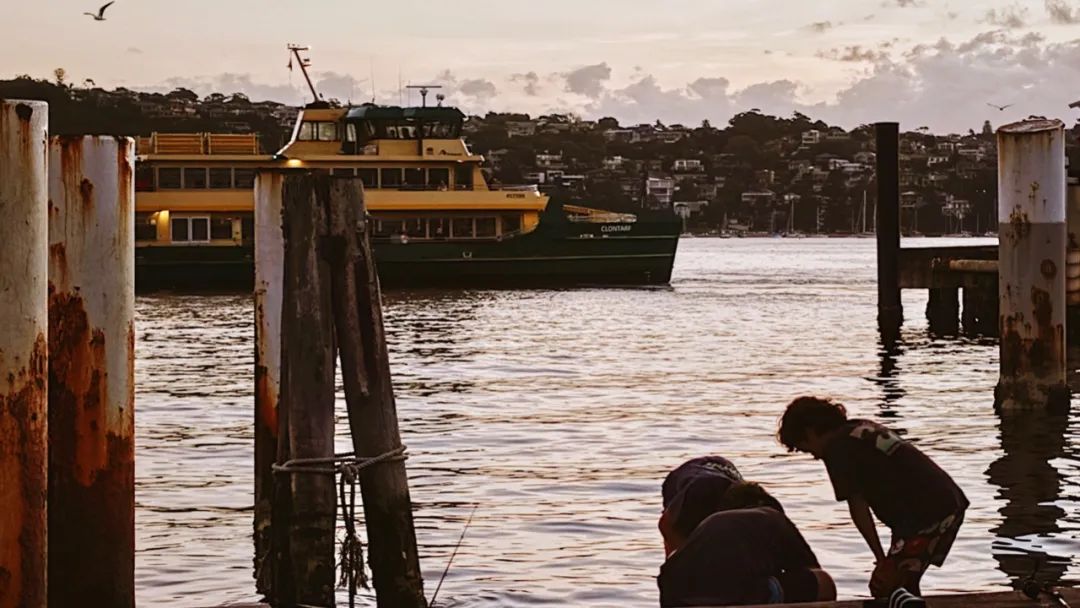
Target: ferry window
x: 350, y: 132
x: 195, y: 178
x: 190, y: 229
x: 168, y: 177
x: 327, y: 131
x: 144, y: 230
x: 144, y: 178
x: 437, y: 228
x: 370, y: 177
x: 221, y: 178
x: 485, y: 227
x: 391, y: 132
x: 461, y: 227
x: 307, y: 131
x: 463, y: 177
x: 407, y: 132
x: 511, y: 223
x: 416, y: 228
x: 438, y: 178
x: 414, y: 177
x: 244, y: 178
x: 386, y: 228
x: 391, y: 178
x: 221, y: 228
x: 340, y: 172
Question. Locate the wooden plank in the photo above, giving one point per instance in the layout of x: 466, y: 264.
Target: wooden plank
x: 1007, y: 599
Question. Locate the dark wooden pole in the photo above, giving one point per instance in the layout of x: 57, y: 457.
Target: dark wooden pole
x: 890, y: 310
x: 305, y: 573
x: 943, y: 311
x: 392, y: 552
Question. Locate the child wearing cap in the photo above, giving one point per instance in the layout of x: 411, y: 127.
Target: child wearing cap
x: 874, y: 470
x: 692, y: 492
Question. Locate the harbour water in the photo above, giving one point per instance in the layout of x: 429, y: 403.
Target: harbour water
x: 557, y: 414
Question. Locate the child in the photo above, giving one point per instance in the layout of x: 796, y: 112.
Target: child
x: 692, y: 492
x: 744, y: 552
x: 872, y: 468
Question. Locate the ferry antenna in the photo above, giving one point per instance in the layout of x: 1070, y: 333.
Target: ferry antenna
x: 424, y: 90
x: 304, y: 64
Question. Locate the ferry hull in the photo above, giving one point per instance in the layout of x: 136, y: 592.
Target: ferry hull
x: 564, y: 255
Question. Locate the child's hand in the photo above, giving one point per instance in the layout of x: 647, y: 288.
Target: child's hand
x: 885, y: 578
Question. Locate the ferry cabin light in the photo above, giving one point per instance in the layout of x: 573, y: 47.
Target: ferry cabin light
x: 294, y: 163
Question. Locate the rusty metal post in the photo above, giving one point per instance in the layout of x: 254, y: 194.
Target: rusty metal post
x: 1031, y: 258
x: 890, y: 309
x: 269, y: 268
x: 23, y: 352
x: 91, y: 371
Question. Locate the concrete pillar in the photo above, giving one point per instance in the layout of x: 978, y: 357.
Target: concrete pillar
x: 24, y: 270
x: 890, y: 310
x: 1031, y: 266
x: 91, y: 371
x: 269, y: 286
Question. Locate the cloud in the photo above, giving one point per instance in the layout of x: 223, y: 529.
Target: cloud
x: 343, y: 87
x: 855, y: 54
x: 902, y: 3
x: 1062, y: 12
x: 229, y: 83
x: 820, y: 27
x: 478, y: 88
x: 1011, y: 17
x: 589, y: 80
x: 531, y: 80
x: 134, y: 51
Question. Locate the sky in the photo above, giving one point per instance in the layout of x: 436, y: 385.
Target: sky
x: 933, y: 63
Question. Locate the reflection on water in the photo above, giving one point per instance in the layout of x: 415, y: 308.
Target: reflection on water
x: 1026, y: 544
x: 558, y: 413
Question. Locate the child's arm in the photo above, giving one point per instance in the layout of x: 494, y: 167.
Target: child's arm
x: 864, y: 521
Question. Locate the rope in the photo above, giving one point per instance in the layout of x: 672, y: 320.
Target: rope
x: 348, y: 466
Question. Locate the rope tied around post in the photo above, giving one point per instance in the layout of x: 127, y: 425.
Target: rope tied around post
x: 348, y: 466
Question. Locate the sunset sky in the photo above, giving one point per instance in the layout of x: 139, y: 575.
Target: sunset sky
x: 924, y: 62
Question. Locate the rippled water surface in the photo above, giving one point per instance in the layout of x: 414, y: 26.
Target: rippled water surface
x: 558, y: 413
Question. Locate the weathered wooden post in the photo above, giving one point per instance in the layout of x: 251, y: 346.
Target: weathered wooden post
x: 305, y: 571
x: 369, y: 393
x: 1072, y: 262
x: 943, y: 311
x: 890, y: 309
x: 269, y: 277
x: 23, y: 345
x: 91, y: 371
x: 1031, y: 212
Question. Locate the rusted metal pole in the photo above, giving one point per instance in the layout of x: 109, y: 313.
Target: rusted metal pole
x: 369, y: 394
x: 1031, y: 256
x: 91, y: 371
x: 890, y: 309
x: 307, y: 397
x: 269, y: 276
x: 23, y: 352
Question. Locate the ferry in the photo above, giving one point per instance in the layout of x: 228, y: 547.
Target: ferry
x: 435, y: 219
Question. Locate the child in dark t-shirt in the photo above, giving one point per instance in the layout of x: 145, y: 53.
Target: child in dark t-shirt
x: 873, y: 469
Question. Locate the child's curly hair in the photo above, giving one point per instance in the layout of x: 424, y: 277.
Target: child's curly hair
x: 805, y: 413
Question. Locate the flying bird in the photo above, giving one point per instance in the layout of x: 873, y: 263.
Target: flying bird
x: 1000, y: 108
x: 100, y: 15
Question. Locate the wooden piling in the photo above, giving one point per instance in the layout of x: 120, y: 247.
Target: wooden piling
x: 890, y: 309
x: 23, y: 353
x: 1031, y: 264
x: 305, y: 570
x: 943, y: 311
x: 392, y: 551
x: 980, y: 311
x: 91, y: 371
x: 269, y: 268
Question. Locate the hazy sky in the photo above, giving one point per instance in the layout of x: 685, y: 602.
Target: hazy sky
x: 931, y: 62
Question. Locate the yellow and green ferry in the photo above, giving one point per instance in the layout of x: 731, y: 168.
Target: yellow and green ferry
x: 435, y: 219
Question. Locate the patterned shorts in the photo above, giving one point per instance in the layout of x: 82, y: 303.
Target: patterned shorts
x: 930, y: 546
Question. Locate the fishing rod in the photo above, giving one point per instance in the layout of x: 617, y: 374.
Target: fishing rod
x: 431, y: 604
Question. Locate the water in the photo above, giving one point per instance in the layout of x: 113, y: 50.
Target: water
x: 558, y: 413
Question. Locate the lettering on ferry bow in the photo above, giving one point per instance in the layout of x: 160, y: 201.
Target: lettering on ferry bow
x: 616, y: 228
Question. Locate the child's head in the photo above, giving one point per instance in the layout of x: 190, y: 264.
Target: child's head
x: 748, y: 495
x: 807, y: 422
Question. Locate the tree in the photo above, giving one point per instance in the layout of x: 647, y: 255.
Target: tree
x: 59, y: 74
x: 606, y: 123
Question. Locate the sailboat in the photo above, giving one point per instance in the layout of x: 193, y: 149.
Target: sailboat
x: 863, y: 232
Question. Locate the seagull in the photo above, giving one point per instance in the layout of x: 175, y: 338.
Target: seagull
x: 1000, y: 108
x: 100, y: 15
